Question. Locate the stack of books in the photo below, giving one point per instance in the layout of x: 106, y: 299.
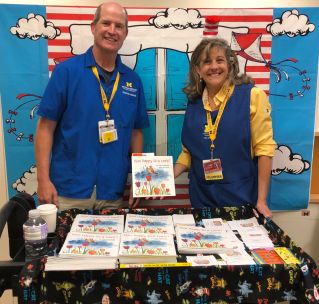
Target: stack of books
x: 138, y: 248
x: 194, y: 240
x: 92, y: 243
x: 82, y: 251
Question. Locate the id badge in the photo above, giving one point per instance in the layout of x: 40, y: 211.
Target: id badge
x: 107, y: 131
x: 213, y: 169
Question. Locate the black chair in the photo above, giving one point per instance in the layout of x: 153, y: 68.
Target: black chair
x: 14, y: 213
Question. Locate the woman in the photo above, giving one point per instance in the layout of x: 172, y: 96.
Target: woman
x: 227, y: 132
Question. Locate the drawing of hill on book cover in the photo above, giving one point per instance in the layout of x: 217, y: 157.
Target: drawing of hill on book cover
x: 98, y: 223
x: 153, y: 176
x: 90, y: 244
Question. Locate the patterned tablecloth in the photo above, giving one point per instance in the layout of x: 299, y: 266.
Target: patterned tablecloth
x: 185, y: 285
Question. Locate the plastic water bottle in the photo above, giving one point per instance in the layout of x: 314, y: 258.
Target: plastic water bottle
x: 35, y: 232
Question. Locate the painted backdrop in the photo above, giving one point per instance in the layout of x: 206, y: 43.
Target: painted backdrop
x: 275, y: 46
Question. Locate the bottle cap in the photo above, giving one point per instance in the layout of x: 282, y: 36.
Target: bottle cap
x: 33, y: 213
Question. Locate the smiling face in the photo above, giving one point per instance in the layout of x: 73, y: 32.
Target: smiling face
x: 213, y: 69
x: 110, y: 30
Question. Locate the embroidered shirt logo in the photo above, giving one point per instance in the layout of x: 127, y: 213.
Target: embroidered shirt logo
x: 129, y: 89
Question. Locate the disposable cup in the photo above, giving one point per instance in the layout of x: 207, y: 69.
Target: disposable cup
x: 48, y: 212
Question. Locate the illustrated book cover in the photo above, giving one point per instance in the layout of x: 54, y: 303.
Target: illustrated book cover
x: 138, y: 223
x: 203, y: 240
x: 89, y: 223
x: 147, y: 248
x: 266, y: 256
x: 153, y: 176
x: 85, y: 245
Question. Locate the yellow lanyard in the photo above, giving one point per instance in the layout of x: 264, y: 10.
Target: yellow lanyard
x: 105, y: 102
x: 212, y: 128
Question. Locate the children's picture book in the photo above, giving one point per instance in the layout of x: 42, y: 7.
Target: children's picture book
x: 203, y: 240
x: 266, y: 256
x: 138, y: 223
x: 152, y: 176
x: 84, y: 245
x: 286, y: 254
x: 89, y: 223
x: 147, y: 248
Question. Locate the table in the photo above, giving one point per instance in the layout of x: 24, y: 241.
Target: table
x: 199, y: 285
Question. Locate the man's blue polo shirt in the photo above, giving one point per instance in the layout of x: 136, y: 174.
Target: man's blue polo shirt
x: 73, y: 99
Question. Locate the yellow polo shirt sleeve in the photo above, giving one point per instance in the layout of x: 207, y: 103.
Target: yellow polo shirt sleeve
x: 262, y: 142
x: 184, y: 158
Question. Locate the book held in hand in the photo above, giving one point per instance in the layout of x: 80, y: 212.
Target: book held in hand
x: 152, y: 176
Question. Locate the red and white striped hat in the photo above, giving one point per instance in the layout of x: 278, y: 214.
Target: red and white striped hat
x: 211, y: 27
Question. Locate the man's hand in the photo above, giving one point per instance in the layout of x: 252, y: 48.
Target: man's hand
x: 47, y: 193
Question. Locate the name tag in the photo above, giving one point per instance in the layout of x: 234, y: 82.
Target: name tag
x: 107, y: 131
x: 213, y: 169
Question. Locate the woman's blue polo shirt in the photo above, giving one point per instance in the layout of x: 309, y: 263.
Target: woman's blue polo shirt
x: 72, y: 99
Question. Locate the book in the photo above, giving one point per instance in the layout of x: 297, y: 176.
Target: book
x: 152, y: 176
x: 255, y: 237
x: 242, y: 224
x: 266, y: 256
x: 145, y: 248
x: 89, y: 245
x: 98, y: 223
x: 191, y: 240
x: 287, y: 256
x: 204, y: 260
x: 238, y: 256
x: 56, y: 263
x: 216, y: 224
x: 183, y: 220
x: 152, y: 224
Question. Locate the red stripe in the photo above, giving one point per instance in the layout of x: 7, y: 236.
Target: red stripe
x: 65, y: 16
x: 64, y: 29
x: 265, y: 43
x: 261, y: 80
x: 256, y: 30
x: 267, y: 56
x: 249, y: 18
x: 139, y: 17
x: 59, y: 42
x: 59, y: 54
x: 257, y: 69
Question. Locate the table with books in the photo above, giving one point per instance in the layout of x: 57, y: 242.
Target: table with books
x: 155, y: 263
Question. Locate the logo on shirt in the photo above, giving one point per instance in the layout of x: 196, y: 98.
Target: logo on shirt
x: 129, y: 89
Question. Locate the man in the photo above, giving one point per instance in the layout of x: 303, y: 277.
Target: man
x: 91, y: 116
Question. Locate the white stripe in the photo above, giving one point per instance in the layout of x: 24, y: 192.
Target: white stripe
x: 56, y: 48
